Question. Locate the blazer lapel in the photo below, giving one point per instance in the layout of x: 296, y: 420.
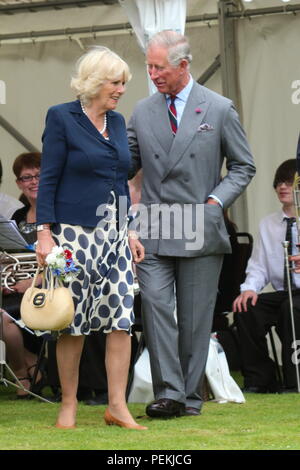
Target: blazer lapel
x: 193, y: 115
x: 159, y: 122
x: 84, y: 121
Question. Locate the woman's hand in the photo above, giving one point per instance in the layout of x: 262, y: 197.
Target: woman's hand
x: 44, y: 246
x: 137, y: 249
x: 240, y: 303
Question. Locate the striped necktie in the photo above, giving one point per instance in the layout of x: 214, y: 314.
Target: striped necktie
x: 288, y: 237
x: 173, y: 114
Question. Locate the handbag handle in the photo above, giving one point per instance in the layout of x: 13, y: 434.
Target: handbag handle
x: 51, y: 284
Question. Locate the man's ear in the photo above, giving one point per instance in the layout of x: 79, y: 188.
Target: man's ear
x: 184, y: 65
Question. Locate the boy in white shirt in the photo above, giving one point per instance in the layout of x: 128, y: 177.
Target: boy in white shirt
x: 257, y: 312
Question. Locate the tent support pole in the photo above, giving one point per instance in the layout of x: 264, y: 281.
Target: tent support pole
x: 230, y: 86
x: 208, y: 73
x: 16, y: 135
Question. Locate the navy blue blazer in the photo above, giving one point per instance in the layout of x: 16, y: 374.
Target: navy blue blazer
x: 79, y: 167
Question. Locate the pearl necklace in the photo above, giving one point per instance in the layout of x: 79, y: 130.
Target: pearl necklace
x: 105, y: 118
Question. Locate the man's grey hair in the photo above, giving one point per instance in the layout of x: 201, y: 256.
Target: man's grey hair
x: 177, y: 45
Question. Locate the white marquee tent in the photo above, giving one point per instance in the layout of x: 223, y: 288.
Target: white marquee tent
x: 40, y: 41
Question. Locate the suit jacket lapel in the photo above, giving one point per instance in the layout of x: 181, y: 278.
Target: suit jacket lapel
x: 159, y: 122
x: 193, y: 115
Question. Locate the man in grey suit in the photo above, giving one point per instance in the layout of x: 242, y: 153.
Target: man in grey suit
x: 180, y: 137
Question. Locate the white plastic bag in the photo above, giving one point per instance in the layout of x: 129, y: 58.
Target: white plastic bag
x: 141, y: 389
x: 222, y: 385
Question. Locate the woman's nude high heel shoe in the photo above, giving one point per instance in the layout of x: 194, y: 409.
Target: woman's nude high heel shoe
x: 61, y: 426
x: 65, y: 426
x: 111, y: 420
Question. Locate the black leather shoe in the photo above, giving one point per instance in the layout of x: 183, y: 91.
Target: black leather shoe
x: 289, y: 390
x: 190, y: 411
x: 165, y: 408
x: 260, y: 390
x: 255, y: 390
x: 98, y: 400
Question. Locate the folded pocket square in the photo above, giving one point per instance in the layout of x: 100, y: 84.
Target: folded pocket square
x: 205, y: 127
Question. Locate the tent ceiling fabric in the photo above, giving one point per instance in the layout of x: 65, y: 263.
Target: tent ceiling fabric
x: 148, y: 17
x: 106, y: 16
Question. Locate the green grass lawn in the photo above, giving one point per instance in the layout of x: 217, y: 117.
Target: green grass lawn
x: 264, y: 422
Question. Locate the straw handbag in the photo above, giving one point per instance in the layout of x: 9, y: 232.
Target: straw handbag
x: 50, y: 308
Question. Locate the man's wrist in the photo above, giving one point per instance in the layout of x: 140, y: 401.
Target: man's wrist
x: 212, y: 199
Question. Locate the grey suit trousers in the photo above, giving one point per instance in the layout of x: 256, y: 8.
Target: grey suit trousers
x: 178, y: 347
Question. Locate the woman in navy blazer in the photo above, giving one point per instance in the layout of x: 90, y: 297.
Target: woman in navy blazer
x: 82, y: 193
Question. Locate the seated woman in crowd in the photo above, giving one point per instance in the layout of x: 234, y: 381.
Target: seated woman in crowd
x: 21, y: 346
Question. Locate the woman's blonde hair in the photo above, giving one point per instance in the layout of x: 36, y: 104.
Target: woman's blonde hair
x: 94, y: 68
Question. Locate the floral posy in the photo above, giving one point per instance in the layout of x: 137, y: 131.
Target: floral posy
x: 62, y: 264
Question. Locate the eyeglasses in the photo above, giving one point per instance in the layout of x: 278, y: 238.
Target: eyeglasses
x: 287, y: 183
x: 28, y: 178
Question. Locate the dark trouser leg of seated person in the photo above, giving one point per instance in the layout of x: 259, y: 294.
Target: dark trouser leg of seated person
x: 284, y: 330
x: 257, y: 367
x: 92, y: 372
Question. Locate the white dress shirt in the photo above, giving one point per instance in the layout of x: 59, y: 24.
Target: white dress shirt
x: 266, y: 264
x: 181, y: 99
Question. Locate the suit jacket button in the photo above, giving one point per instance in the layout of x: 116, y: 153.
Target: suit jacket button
x: 192, y: 155
x: 156, y: 156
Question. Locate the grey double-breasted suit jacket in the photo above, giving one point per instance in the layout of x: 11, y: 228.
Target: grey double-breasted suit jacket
x: 186, y: 169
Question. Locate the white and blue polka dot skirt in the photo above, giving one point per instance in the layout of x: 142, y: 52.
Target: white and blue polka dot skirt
x: 103, y: 292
